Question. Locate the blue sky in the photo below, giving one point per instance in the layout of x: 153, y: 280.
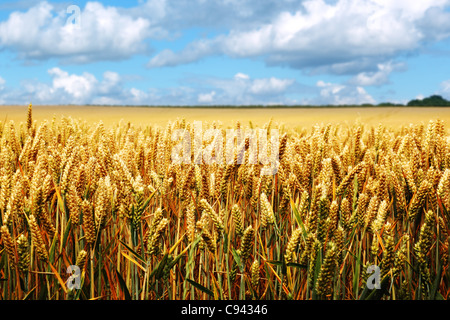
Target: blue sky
x: 210, y: 52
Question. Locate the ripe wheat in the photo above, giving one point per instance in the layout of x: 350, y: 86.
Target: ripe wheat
x: 111, y: 201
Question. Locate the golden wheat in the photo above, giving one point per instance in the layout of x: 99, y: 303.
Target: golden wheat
x: 111, y: 200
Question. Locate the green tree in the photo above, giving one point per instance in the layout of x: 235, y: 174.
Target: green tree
x: 432, y: 101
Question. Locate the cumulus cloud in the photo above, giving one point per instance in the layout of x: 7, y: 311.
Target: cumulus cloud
x: 241, y: 76
x: 40, y: 30
x: 112, y: 88
x: 78, y: 87
x: 211, y: 14
x: 85, y: 88
x: 328, y: 36
x: 191, y: 53
x: 104, y: 33
x: 270, y: 86
x: 206, y: 97
x: 379, y: 77
x: 340, y: 94
x: 435, y: 23
x: 339, y: 37
x: 241, y: 89
x: 138, y: 97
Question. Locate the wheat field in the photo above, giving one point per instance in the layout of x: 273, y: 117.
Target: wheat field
x: 350, y: 199
x: 288, y: 117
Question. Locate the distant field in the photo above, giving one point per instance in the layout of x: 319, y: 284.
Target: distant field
x: 288, y: 116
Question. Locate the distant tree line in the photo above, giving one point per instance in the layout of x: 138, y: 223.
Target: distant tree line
x: 431, y: 101
x: 435, y: 100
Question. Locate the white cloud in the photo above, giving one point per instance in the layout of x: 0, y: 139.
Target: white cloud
x: 420, y: 97
x: 105, y: 33
x: 138, y: 96
x: 329, y: 88
x: 190, y: 54
x: 242, y: 89
x: 379, y: 77
x: 211, y: 14
x: 85, y: 88
x: 241, y: 76
x: 79, y: 87
x: 333, y: 36
x: 357, y: 37
x: 111, y: 82
x: 270, y: 85
x: 339, y: 36
x: 206, y: 97
x: 113, y: 33
x: 339, y: 94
